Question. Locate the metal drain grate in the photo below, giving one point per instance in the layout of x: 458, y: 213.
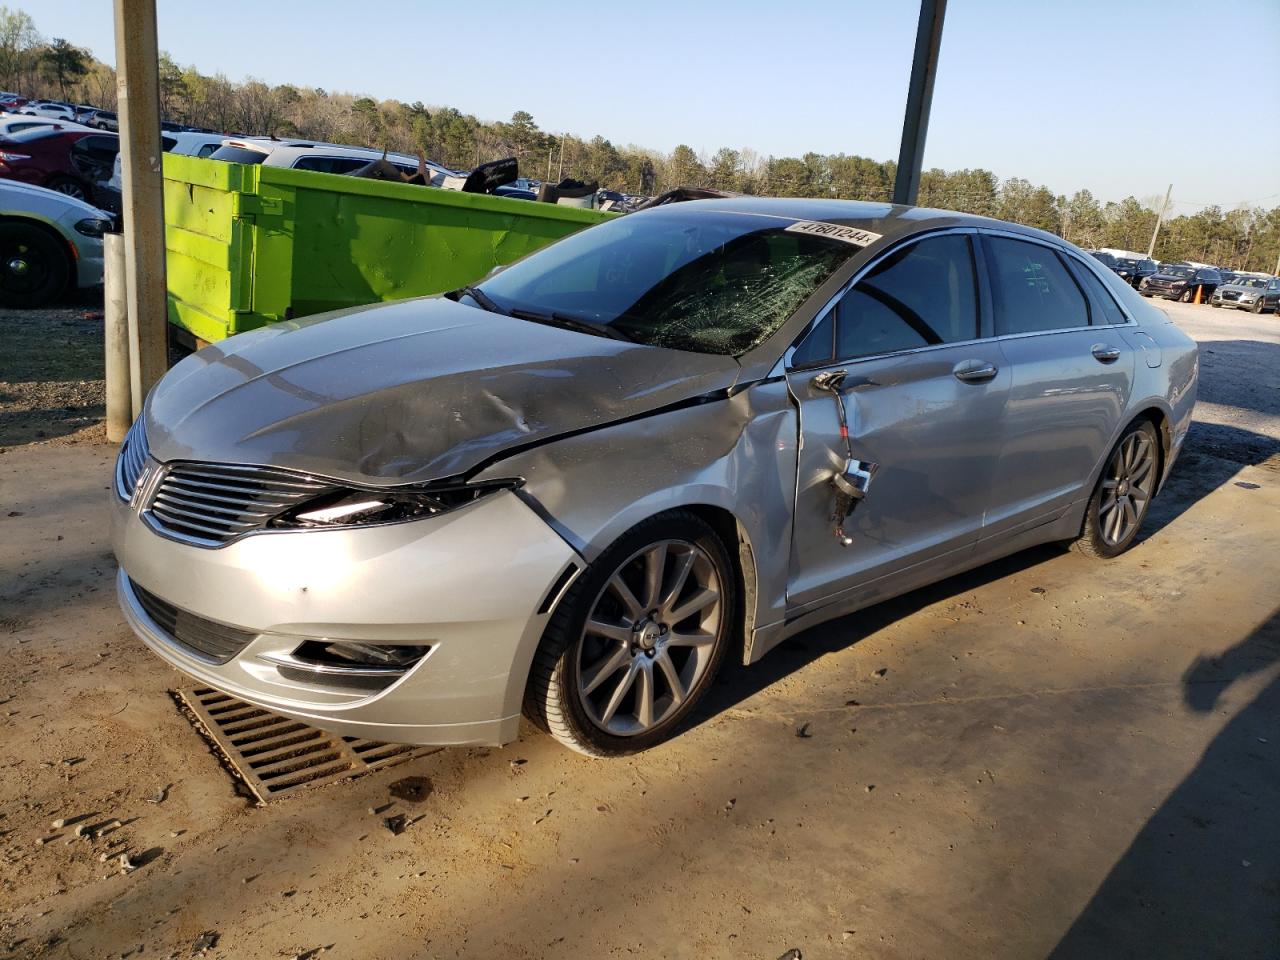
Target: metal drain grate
x: 273, y: 755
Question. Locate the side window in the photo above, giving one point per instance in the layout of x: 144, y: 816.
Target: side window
x: 1102, y: 298
x: 207, y: 149
x: 921, y: 294
x: 330, y: 164
x: 817, y: 346
x: 1032, y: 288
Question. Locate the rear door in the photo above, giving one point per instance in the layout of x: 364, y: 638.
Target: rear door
x: 1072, y: 372
x: 924, y: 395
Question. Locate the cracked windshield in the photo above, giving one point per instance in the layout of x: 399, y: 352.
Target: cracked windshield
x: 718, y: 285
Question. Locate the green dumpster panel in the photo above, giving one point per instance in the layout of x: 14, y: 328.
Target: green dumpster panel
x: 250, y: 245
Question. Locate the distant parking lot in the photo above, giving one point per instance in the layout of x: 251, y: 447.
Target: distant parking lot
x: 1043, y: 757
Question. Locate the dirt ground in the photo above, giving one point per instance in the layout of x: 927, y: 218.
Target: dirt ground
x: 1046, y: 757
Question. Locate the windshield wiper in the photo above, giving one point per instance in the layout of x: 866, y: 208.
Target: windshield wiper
x: 485, y: 301
x: 566, y: 322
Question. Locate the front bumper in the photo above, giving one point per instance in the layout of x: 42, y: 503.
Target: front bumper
x: 1238, y: 304
x: 473, y: 585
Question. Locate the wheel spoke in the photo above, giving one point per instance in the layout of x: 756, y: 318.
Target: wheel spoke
x: 1130, y: 514
x: 1114, y: 522
x: 606, y: 667
x: 655, y: 562
x: 1109, y: 484
x: 663, y: 660
x: 695, y: 604
x: 1106, y: 506
x: 1142, y: 470
x: 612, y: 631
x: 623, y: 593
x: 619, y: 692
x: 690, y: 639
x: 1138, y: 494
x: 683, y: 565
x: 644, y: 692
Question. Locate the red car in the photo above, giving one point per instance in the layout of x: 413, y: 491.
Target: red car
x: 69, y: 161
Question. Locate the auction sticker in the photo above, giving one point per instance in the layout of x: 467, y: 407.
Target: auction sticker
x: 834, y: 231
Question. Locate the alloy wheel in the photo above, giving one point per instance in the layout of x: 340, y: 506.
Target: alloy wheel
x: 1126, y: 488
x: 70, y: 188
x: 649, y: 637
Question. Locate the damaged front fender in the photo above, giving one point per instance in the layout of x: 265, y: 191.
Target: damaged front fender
x: 736, y: 455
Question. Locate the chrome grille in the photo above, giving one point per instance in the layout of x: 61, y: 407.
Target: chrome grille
x: 214, y: 641
x: 213, y: 503
x: 131, y: 461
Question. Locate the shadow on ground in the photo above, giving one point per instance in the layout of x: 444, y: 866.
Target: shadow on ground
x: 1202, y: 877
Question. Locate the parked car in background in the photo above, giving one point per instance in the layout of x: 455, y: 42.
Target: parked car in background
x: 322, y: 157
x: 102, y: 119
x: 1132, y: 271
x: 49, y: 242
x: 67, y: 160
x: 1108, y: 260
x: 656, y: 419
x: 11, y: 101
x: 1244, y: 292
x: 55, y: 109
x: 11, y: 124
x: 1271, y: 296
x: 107, y: 195
x: 1179, y: 281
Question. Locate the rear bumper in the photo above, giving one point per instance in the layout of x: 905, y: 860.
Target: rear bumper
x: 469, y: 585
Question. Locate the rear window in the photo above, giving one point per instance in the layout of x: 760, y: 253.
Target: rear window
x: 237, y: 154
x: 1034, y: 291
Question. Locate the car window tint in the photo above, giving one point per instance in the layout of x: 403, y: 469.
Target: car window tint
x: 207, y: 149
x: 920, y: 294
x: 1102, y: 298
x: 1032, y: 289
x: 330, y: 164
x: 817, y: 346
x: 233, y: 154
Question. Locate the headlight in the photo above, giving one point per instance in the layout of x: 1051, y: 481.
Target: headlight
x: 93, y: 227
x: 366, y: 508
x: 8, y: 157
x: 1179, y: 283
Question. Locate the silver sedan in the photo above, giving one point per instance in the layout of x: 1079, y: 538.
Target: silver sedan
x: 572, y: 490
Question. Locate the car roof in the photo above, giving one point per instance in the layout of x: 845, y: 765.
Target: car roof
x: 882, y: 218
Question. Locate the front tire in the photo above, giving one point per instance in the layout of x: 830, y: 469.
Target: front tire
x: 1257, y: 306
x: 1187, y: 296
x: 1123, y: 494
x: 34, y: 269
x: 637, y: 639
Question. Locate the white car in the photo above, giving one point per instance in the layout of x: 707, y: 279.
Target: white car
x: 11, y: 123
x: 183, y: 143
x: 327, y: 158
x: 48, y: 241
x: 53, y: 109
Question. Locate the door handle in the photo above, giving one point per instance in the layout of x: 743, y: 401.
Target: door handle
x: 1105, y: 353
x: 975, y: 371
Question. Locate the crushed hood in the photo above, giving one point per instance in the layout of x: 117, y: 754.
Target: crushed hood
x: 409, y: 392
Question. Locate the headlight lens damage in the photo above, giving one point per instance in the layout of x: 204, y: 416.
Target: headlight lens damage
x: 351, y: 507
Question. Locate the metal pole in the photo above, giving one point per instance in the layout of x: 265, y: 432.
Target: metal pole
x: 1151, y: 250
x: 924, y: 68
x: 116, y: 337
x: 142, y: 201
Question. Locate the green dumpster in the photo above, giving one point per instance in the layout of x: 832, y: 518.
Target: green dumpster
x: 250, y: 245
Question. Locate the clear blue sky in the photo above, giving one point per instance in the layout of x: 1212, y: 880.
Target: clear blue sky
x: 1102, y: 94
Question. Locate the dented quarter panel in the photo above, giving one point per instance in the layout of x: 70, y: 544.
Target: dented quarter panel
x: 736, y: 454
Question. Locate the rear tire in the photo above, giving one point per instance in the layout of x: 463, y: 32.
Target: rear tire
x: 628, y: 680
x: 34, y: 268
x: 1123, y: 494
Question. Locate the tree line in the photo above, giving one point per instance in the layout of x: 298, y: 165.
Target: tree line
x: 1246, y: 238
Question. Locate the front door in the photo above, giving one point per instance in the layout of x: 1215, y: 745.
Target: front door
x: 924, y: 396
